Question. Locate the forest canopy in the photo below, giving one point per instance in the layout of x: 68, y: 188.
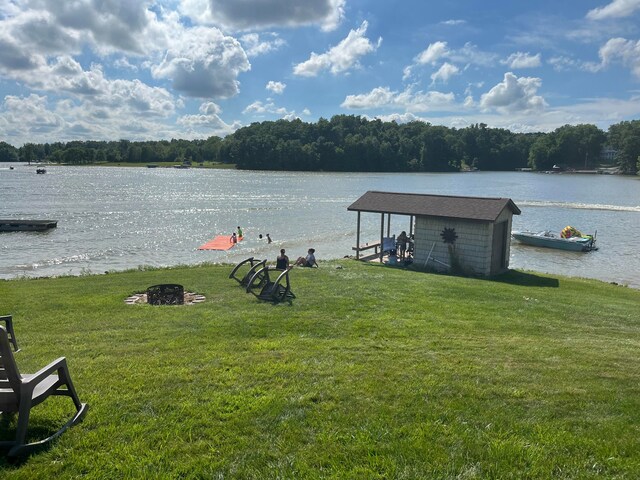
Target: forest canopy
x: 354, y: 143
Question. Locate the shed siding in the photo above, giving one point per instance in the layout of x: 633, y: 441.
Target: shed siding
x: 505, y: 216
x: 473, y: 245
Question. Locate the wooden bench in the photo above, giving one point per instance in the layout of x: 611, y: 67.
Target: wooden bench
x: 368, y: 246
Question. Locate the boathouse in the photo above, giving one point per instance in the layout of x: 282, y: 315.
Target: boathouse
x: 469, y: 235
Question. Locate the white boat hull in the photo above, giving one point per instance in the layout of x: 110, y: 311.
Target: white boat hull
x: 549, y: 240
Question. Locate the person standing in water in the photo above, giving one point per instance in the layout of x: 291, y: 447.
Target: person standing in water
x: 239, y: 232
x: 268, y: 238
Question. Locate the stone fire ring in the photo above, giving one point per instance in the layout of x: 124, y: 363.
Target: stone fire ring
x: 190, y: 298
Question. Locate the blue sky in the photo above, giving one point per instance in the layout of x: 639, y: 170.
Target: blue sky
x: 147, y: 70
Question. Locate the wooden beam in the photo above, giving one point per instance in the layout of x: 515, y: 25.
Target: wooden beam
x: 358, y: 238
x: 381, y: 235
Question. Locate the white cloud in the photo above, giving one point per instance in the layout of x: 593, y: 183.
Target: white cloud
x: 514, y: 94
x: 112, y: 25
x: 601, y: 112
x: 426, y: 101
x: 124, y: 64
x: 444, y: 73
x: 259, y: 14
x: 200, y: 61
x: 378, y: 97
x: 340, y: 58
x: 276, y: 87
x: 40, y: 31
x: 564, y: 64
x: 39, y: 44
x: 616, y: 9
x: 400, y: 117
x: 433, y: 53
x: 207, y: 123
x: 454, y: 22
x: 254, y: 46
x: 625, y: 51
x: 29, y: 115
x: 66, y: 75
x: 260, y: 108
x: 210, y: 108
x: 469, y: 88
x: 469, y: 54
x: 383, y: 97
x: 406, y: 72
x: 204, y: 64
x: 523, y: 60
x: 36, y: 119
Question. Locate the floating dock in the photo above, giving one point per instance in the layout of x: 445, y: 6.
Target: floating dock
x: 220, y: 242
x: 16, y: 225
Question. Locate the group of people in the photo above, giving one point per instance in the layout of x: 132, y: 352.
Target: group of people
x: 402, y: 242
x: 268, y: 238
x: 236, y: 236
x: 282, y: 262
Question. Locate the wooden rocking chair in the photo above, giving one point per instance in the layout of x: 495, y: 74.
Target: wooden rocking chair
x: 20, y: 393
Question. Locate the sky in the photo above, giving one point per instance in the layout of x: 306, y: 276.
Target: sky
x: 190, y: 69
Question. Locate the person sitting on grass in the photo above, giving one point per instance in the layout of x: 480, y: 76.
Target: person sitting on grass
x: 282, y: 262
x: 309, y: 260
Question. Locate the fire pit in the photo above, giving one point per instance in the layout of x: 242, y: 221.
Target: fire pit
x: 165, y: 294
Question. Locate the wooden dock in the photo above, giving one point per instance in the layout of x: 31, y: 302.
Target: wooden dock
x: 18, y: 225
x: 364, y: 247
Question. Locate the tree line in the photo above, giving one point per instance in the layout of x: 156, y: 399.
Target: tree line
x: 354, y: 143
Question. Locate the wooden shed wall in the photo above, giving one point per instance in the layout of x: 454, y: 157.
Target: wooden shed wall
x: 505, y: 216
x: 473, y: 245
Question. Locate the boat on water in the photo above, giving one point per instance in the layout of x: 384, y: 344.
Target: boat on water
x: 17, y: 225
x: 41, y: 170
x: 575, y: 243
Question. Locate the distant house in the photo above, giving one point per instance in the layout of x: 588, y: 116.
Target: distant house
x: 608, y: 154
x: 469, y: 234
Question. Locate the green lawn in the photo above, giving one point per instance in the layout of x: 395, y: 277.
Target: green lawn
x: 371, y: 372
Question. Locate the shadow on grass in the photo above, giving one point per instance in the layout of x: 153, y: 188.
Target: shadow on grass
x: 512, y: 277
x: 526, y: 279
x: 7, y: 426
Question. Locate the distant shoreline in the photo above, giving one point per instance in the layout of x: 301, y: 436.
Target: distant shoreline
x: 232, y: 166
x: 205, y: 165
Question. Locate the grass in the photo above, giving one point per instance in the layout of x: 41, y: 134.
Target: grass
x: 371, y: 372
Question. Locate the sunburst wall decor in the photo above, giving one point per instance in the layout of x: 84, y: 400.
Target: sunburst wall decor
x: 449, y: 235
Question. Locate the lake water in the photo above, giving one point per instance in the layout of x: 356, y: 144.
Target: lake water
x: 112, y: 218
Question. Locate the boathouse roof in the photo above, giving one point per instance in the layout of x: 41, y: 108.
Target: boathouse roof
x: 470, y: 208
